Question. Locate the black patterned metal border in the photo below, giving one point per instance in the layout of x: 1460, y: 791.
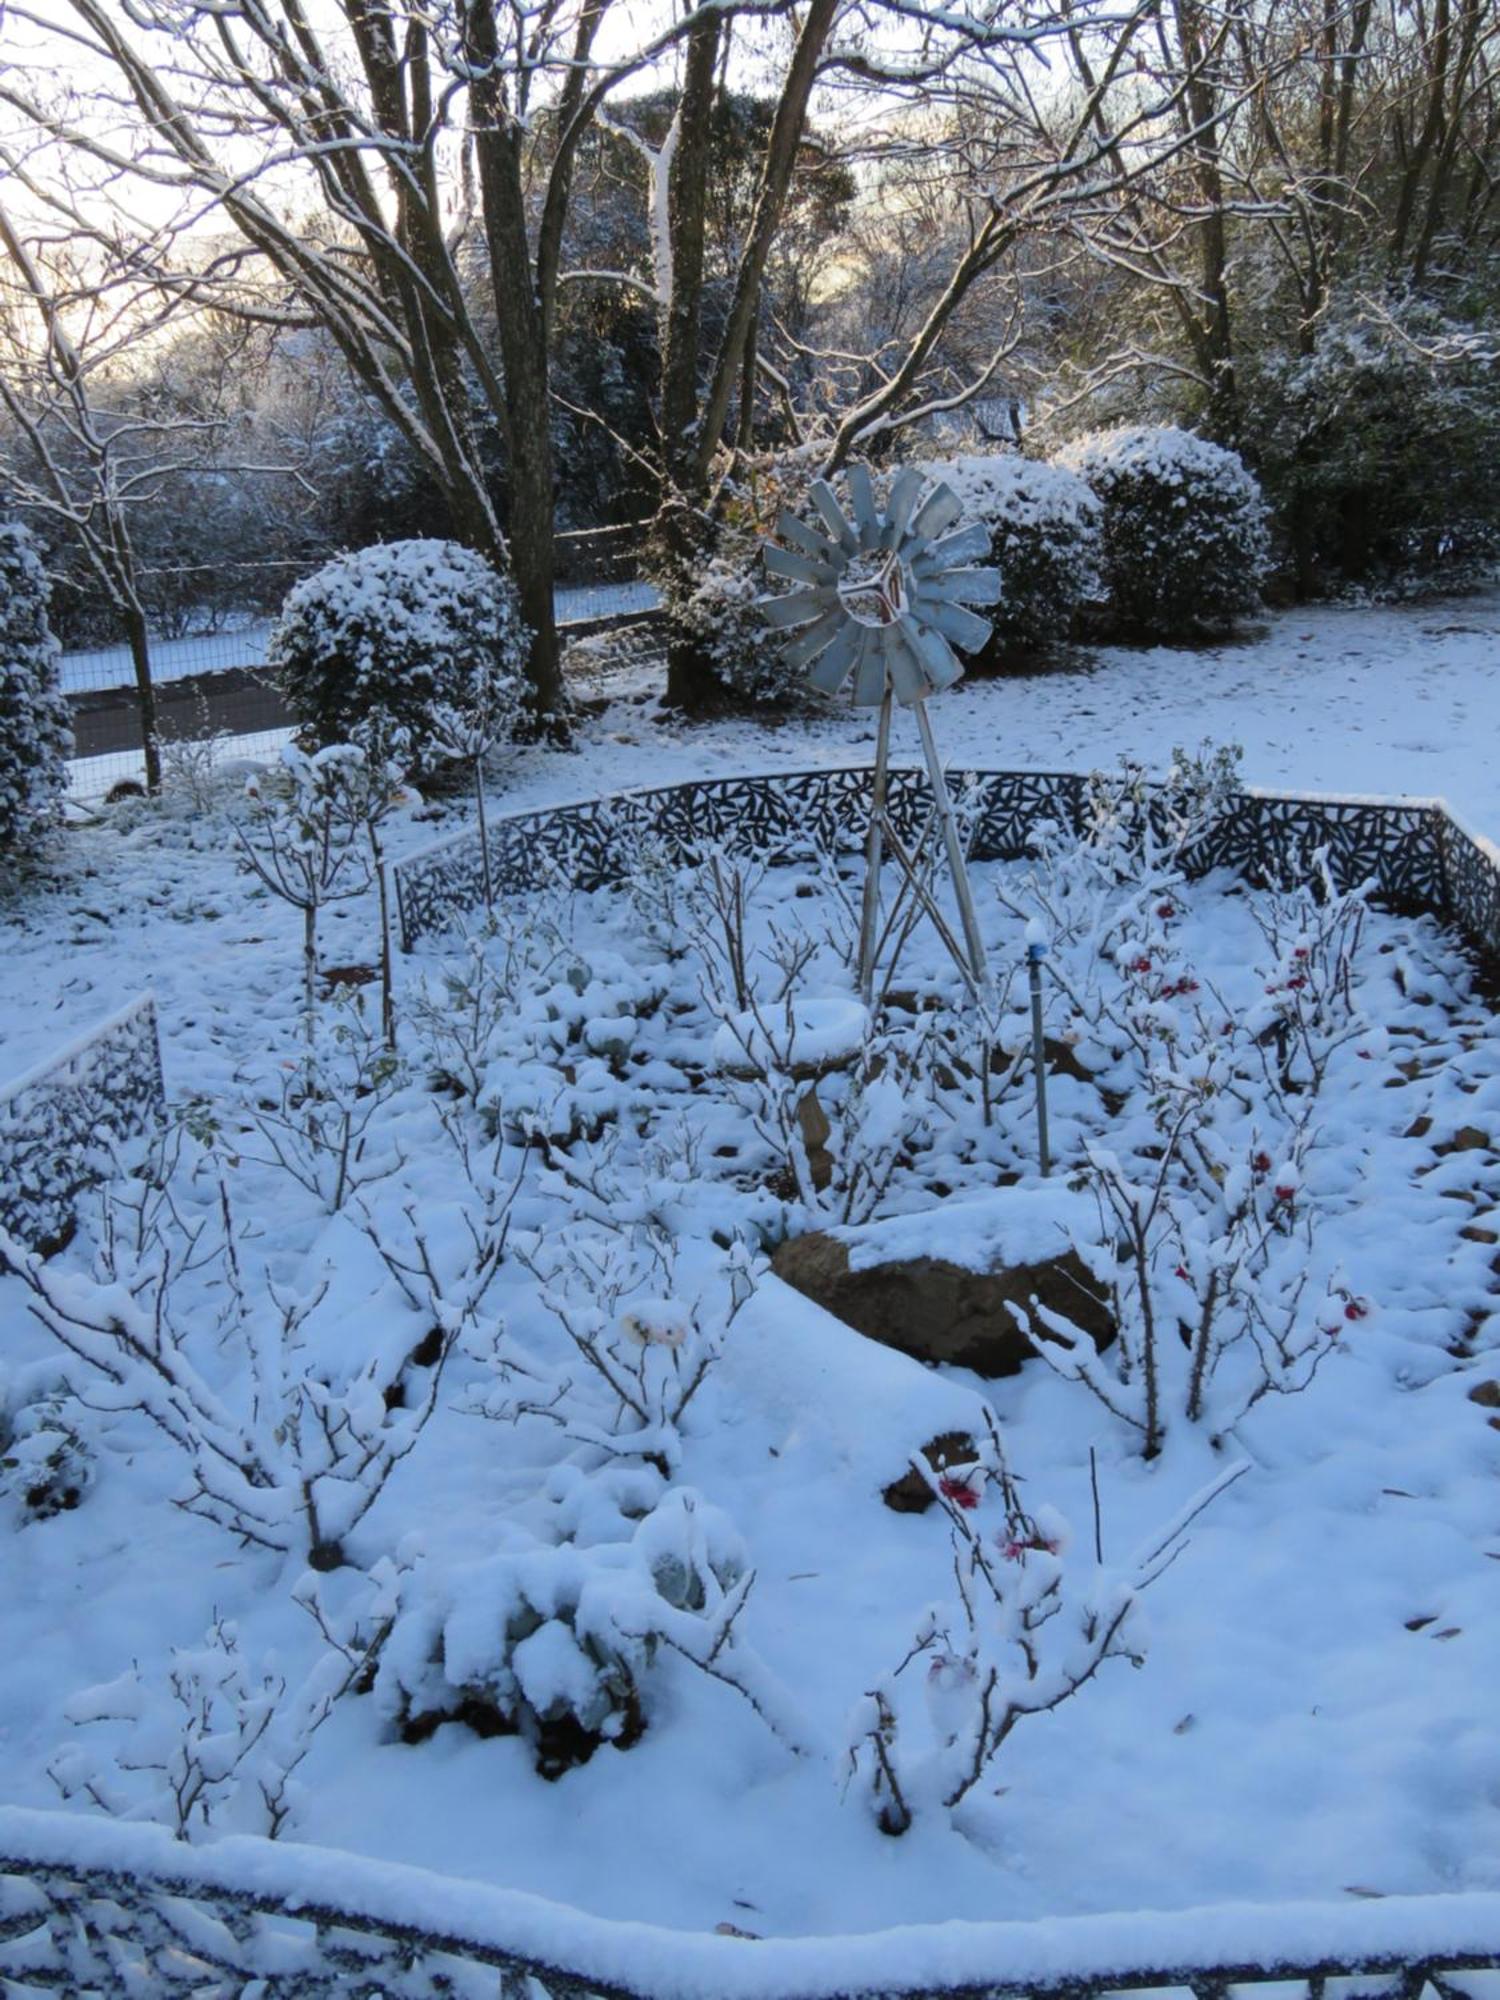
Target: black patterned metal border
x: 58, y: 1122
x: 1416, y: 854
x: 93, y: 1906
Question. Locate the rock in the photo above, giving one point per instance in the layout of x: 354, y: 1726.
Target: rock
x: 910, y: 1494
x: 816, y: 1132
x: 937, y: 1311
x: 1486, y: 1394
x: 1467, y: 1139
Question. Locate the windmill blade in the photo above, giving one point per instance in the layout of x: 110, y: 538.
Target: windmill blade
x: 939, y: 511
x: 938, y: 657
x: 869, y: 679
x: 962, y: 627
x: 821, y: 494
x: 971, y: 544
x: 907, y: 669
x: 798, y: 606
x: 862, y: 501
x: 803, y: 537
x: 807, y: 645
x: 829, y: 673
x: 906, y: 489
x: 805, y: 569
x: 961, y: 586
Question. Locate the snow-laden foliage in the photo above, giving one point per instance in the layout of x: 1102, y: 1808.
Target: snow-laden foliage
x: 46, y: 1464
x: 1184, y: 530
x: 1044, y: 524
x: 212, y: 1745
x: 313, y: 837
x: 1206, y: 1243
x: 421, y: 636
x: 714, y: 601
x: 1031, y: 1623
x: 556, y: 1640
x: 35, y: 736
x: 288, y: 1454
x: 1379, y: 454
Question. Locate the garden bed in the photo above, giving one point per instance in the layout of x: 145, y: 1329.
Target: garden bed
x: 551, y: 1221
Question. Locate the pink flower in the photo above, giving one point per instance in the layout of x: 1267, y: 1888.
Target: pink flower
x: 1285, y: 1193
x: 1356, y: 1309
x: 1261, y: 1163
x: 1166, y: 909
x: 959, y: 1493
x: 1016, y: 1550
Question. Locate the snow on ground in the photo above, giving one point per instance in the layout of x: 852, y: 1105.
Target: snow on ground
x: 1313, y: 1714
x: 1390, y: 699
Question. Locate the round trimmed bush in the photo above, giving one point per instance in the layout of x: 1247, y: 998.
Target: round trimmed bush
x: 35, y: 737
x: 398, y: 637
x: 1044, y: 524
x: 1184, y: 530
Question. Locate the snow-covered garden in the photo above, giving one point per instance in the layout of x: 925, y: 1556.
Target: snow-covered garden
x: 407, y: 1424
x: 733, y: 1392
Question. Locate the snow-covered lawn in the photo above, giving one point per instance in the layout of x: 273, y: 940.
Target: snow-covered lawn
x: 1313, y: 1711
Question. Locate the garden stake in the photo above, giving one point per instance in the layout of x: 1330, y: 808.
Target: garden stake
x: 1036, y: 951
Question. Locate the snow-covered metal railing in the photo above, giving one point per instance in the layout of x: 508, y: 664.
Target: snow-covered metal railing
x: 1417, y: 853
x: 96, y: 1906
x: 59, y: 1119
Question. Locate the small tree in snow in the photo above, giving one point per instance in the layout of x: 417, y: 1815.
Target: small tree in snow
x: 1185, y: 543
x: 467, y: 728
x: 1031, y: 1627
x: 403, y: 635
x: 35, y: 738
x: 303, y: 841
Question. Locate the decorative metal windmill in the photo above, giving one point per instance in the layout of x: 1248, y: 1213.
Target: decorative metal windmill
x: 883, y: 597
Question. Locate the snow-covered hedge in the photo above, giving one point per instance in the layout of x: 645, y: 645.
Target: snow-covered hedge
x: 35, y: 738
x: 1184, y: 527
x: 399, y: 636
x: 1382, y: 465
x: 1044, y: 524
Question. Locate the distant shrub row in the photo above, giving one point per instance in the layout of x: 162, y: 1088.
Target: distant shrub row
x: 1148, y: 535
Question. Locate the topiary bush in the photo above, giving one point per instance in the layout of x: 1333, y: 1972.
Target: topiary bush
x: 1045, y: 540
x: 1184, y: 531
x: 35, y: 736
x: 401, y: 636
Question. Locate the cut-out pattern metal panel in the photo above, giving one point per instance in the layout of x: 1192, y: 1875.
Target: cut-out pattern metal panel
x: 58, y: 1123
x: 161, y: 1929
x: 1415, y: 855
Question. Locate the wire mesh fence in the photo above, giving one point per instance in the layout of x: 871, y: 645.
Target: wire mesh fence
x: 212, y: 685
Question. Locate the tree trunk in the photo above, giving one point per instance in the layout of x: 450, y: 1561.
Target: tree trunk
x: 145, y: 690
x: 681, y: 526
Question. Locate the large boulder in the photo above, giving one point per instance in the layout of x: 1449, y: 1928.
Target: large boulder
x: 939, y: 1286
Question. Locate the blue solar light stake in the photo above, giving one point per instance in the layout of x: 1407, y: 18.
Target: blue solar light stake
x: 1036, y: 951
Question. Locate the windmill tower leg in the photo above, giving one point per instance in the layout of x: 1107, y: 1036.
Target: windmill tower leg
x: 869, y: 919
x: 956, y: 864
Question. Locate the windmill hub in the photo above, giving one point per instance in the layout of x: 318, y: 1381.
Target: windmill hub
x: 875, y: 589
